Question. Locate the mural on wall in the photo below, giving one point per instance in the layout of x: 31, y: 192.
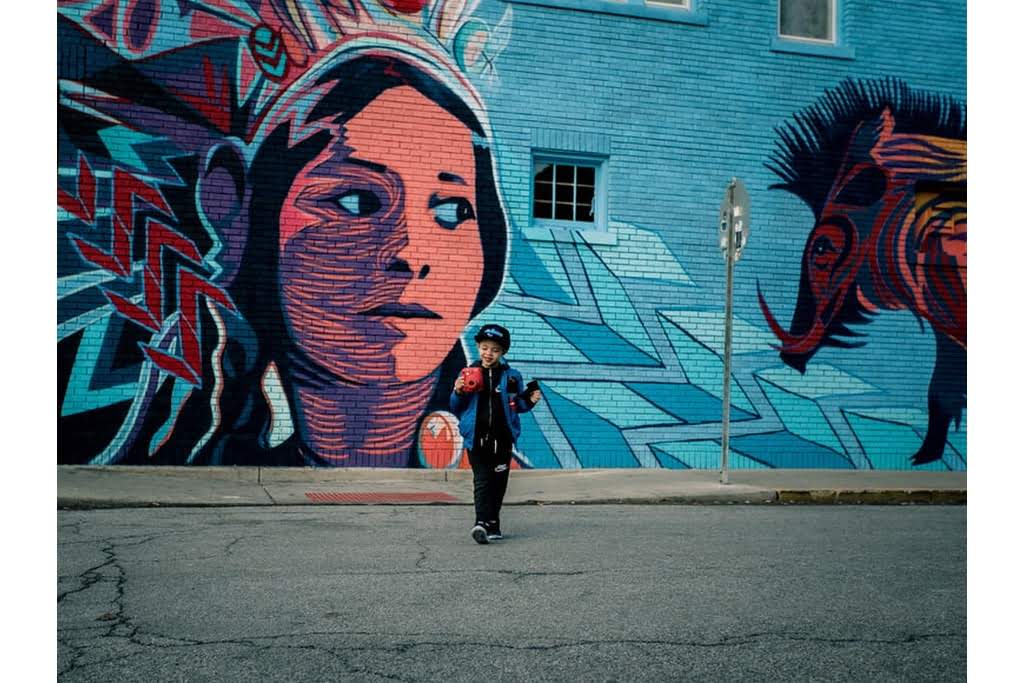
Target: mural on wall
x: 884, y: 169
x: 250, y: 272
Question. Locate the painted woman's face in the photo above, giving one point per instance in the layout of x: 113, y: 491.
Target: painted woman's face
x: 380, y: 252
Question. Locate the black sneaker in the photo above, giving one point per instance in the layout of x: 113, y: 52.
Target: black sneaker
x: 479, y: 533
x: 493, y: 531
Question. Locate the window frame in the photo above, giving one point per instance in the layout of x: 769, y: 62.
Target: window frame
x: 692, y: 14
x: 837, y: 48
x: 600, y: 165
x: 833, y: 21
x: 687, y: 7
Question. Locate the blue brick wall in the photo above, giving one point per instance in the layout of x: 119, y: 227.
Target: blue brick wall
x: 623, y: 328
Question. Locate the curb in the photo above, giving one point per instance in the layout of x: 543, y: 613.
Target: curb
x: 785, y: 497
x: 887, y: 497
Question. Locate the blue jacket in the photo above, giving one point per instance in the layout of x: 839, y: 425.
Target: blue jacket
x: 465, y: 406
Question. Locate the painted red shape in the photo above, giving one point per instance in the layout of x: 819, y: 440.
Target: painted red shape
x: 132, y: 311
x: 84, y: 205
x: 172, y: 364
x: 214, y: 103
x: 126, y: 187
x: 97, y: 256
x: 159, y: 236
x: 404, y: 6
x: 439, y: 441
x: 190, y: 287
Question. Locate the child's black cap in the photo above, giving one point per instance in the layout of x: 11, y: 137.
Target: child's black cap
x: 495, y: 333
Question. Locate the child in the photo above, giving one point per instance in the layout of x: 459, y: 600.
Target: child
x: 489, y: 424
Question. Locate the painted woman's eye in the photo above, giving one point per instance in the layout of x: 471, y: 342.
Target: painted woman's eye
x: 450, y: 212
x: 359, y: 202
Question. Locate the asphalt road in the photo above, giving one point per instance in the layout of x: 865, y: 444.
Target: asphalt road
x: 577, y: 593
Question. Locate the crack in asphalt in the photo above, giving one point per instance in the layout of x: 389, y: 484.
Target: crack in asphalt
x: 338, y: 651
x: 466, y: 640
x: 117, y: 617
x: 118, y: 626
x: 92, y: 575
x: 141, y: 638
x: 520, y: 575
x: 424, y: 549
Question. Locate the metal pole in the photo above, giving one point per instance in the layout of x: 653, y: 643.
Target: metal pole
x: 729, y: 254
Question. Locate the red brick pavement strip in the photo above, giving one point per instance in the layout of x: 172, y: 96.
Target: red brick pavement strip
x: 379, y: 497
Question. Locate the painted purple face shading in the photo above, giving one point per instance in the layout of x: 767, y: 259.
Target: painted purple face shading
x: 380, y: 252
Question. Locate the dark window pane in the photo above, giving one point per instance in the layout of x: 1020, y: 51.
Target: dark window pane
x: 543, y: 187
x: 542, y: 209
x: 584, y: 213
x: 563, y: 193
x: 563, y: 212
x: 585, y: 175
x: 584, y: 204
x: 806, y: 18
x: 565, y: 174
x: 543, y: 192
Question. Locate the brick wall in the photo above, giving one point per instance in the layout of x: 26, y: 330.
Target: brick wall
x: 220, y: 316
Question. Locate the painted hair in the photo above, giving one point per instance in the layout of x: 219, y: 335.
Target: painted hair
x: 809, y: 152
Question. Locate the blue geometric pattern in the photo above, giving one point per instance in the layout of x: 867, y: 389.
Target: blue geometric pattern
x: 701, y: 455
x: 592, y: 409
x: 613, y: 402
x: 703, y: 367
x: 539, y: 271
x: 600, y: 344
x: 786, y: 450
x: 616, y: 308
x: 531, y: 444
x: 687, y: 402
x: 597, y: 443
x: 121, y: 142
x: 641, y: 254
x: 887, y: 445
x: 88, y: 389
x: 708, y: 327
x: 802, y: 416
x: 819, y: 380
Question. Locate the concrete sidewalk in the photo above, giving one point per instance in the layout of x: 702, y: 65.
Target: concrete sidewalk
x: 123, y: 486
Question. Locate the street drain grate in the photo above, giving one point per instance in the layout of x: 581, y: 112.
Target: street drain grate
x: 379, y: 497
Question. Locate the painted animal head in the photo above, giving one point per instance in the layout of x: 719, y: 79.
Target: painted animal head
x: 884, y: 170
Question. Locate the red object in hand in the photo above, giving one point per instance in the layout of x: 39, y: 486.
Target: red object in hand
x: 473, y: 380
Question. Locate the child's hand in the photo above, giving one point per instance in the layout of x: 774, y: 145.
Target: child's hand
x: 535, y: 397
x: 459, y: 383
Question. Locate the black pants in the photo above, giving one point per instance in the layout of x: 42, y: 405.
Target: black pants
x: 491, y: 463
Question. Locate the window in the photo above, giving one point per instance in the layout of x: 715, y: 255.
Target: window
x: 812, y: 20
x: 673, y: 11
x: 567, y: 193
